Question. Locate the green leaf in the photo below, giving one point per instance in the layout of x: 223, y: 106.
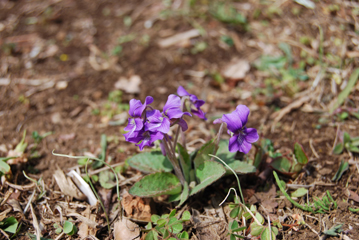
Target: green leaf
x: 256, y: 229
x: 235, y: 211
x: 275, y: 230
x: 82, y: 161
x: 183, y: 235
x: 69, y: 228
x: 266, y: 235
x: 155, y: 218
x: 228, y: 157
x: 240, y: 167
x: 333, y: 231
x: 286, y: 49
x: 151, y: 235
x: 185, y: 162
x: 4, y: 167
x: 20, y: 148
x: 344, y: 166
x: 34, y: 237
x: 346, y: 138
x: 282, y: 164
x: 172, y: 213
x: 355, y: 114
x: 186, y: 216
x: 233, y: 225
x: 346, y: 91
x: 9, y: 224
x: 353, y: 148
x: 176, y: 228
x: 150, y: 162
x: 207, y: 173
x: 202, y: 154
x: 355, y: 141
x: 258, y: 157
x: 239, y: 229
x: 300, y: 192
x: 156, y: 184
x: 338, y: 149
x: 300, y: 154
x: 259, y: 217
x: 160, y: 223
x: 106, y: 179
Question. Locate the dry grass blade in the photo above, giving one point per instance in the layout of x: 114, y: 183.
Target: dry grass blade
x: 83, y: 219
x: 35, y: 223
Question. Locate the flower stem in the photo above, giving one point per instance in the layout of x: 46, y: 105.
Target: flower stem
x: 176, y: 138
x: 172, y: 157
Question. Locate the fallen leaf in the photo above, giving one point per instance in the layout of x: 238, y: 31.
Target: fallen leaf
x: 353, y: 196
x: 131, y: 85
x: 236, y: 69
x: 125, y: 229
x: 136, y: 207
x: 67, y: 186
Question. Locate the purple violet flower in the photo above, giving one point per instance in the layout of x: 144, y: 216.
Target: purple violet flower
x: 157, y: 122
x: 242, y: 137
x: 197, y: 103
x: 135, y: 123
x: 146, y: 138
x: 137, y: 108
x: 172, y: 108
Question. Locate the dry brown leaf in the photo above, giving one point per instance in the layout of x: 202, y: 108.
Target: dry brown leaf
x: 15, y: 205
x: 67, y: 186
x: 131, y: 85
x: 83, y: 227
x: 125, y: 229
x: 236, y: 69
x: 136, y: 207
x: 353, y: 196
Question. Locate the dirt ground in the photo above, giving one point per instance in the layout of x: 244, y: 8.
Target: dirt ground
x: 64, y: 61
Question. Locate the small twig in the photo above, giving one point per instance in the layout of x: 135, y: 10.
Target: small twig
x: 29, y: 201
x: 336, y: 139
x: 312, y: 147
x: 312, y: 230
x: 269, y: 227
x: 4, y: 233
x: 21, y: 187
x: 60, y: 236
